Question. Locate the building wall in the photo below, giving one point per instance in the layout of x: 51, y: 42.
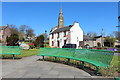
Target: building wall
x: 90, y: 43
x: 99, y: 40
x: 76, y: 34
x: 73, y: 36
x: 116, y: 43
x: 1, y: 34
x: 6, y: 33
x: 60, y: 39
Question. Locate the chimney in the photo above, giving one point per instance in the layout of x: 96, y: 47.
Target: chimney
x: 76, y: 23
x: 7, y: 25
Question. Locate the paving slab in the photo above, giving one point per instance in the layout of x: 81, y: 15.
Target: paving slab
x: 31, y: 67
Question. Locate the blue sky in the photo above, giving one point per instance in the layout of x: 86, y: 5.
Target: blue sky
x: 41, y: 16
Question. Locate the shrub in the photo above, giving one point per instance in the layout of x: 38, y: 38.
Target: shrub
x: 39, y: 42
x: 48, y: 46
x: 12, y: 40
x: 32, y: 45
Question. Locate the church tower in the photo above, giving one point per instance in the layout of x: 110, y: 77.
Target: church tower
x: 60, y: 19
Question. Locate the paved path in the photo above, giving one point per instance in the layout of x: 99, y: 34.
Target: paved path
x: 29, y: 67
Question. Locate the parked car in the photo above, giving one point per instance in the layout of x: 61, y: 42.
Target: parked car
x: 111, y: 49
x: 87, y: 46
x: 69, y: 46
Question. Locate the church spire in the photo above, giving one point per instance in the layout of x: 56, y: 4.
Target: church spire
x: 61, y: 10
x: 60, y: 19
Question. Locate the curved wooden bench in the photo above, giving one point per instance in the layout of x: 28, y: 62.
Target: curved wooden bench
x: 98, y: 58
x: 14, y: 50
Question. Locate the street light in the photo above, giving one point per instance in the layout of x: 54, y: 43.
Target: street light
x: 119, y: 31
x: 119, y: 18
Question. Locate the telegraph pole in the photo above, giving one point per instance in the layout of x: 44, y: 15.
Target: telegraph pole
x: 118, y: 28
x: 118, y: 32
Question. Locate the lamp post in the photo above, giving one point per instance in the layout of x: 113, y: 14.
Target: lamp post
x: 118, y: 34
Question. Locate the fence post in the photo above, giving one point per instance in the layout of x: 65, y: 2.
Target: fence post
x: 68, y: 62
x: 43, y: 58
x: 55, y: 58
x: 83, y: 65
x: 97, y: 69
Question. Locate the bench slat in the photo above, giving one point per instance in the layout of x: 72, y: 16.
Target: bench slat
x: 101, y: 58
x: 10, y: 50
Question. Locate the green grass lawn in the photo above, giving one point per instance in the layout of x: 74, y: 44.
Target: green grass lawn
x: 26, y: 53
x: 114, y: 68
x: 115, y: 61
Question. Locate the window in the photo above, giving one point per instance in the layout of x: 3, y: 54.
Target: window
x: 58, y: 34
x: 52, y: 43
x: 58, y: 43
x: 64, y: 33
x: 65, y: 42
x: 52, y: 36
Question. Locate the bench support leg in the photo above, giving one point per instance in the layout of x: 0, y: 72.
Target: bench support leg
x: 43, y: 58
x: 97, y: 69
x: 13, y: 56
x: 55, y: 58
x: 83, y: 65
x: 68, y: 62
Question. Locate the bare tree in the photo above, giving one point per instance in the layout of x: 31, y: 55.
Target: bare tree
x: 23, y: 28
x: 94, y: 34
x: 22, y: 36
x: 23, y: 31
x: 111, y: 39
x: 13, y: 29
x: 102, y: 32
x: 30, y: 32
x: 116, y: 35
x: 89, y: 34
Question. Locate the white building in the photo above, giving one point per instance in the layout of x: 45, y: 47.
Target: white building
x: 61, y: 34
